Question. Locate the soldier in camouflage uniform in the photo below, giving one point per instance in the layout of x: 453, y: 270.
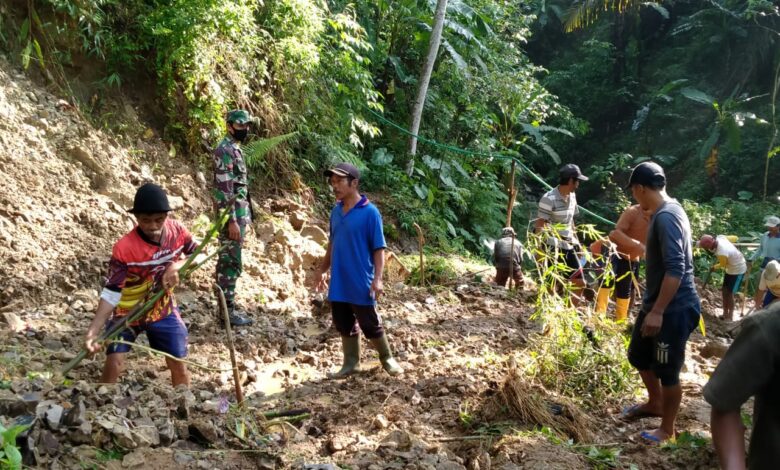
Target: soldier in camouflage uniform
x: 230, y: 179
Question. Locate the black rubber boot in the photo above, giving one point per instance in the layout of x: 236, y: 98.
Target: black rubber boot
x: 238, y: 318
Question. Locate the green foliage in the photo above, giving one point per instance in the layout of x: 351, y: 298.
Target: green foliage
x: 10, y: 457
x: 106, y: 455
x: 687, y: 441
x: 724, y: 216
x: 580, y: 355
x: 438, y: 270
x: 600, y: 457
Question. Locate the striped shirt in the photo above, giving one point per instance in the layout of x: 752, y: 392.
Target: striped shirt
x: 138, y: 263
x: 559, y: 210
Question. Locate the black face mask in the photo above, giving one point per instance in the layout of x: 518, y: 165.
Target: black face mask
x: 240, y: 134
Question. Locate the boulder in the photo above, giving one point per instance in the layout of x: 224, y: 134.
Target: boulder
x: 15, y: 323
x: 297, y: 220
x: 203, y: 431
x: 48, y: 443
x: 315, y: 233
x: 76, y: 416
x: 146, y: 432
x: 714, y: 348
x: 134, y: 459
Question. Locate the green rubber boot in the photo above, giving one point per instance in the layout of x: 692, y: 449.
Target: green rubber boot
x: 389, y: 364
x: 350, y: 345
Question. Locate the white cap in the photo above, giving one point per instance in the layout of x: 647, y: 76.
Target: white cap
x: 772, y: 221
x: 772, y: 271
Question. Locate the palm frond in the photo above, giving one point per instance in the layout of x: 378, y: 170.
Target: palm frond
x: 584, y: 13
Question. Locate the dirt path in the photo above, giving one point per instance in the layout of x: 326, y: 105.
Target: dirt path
x: 66, y: 187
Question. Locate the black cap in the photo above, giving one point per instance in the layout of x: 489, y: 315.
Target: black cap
x: 344, y: 169
x: 150, y: 199
x: 572, y: 171
x: 647, y: 174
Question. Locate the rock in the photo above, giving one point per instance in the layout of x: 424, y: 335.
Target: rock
x: 51, y: 414
x: 297, y: 219
x: 14, y: 322
x: 309, y: 358
x: 12, y: 405
x: 714, y: 348
x: 203, y: 464
x: 338, y: 443
x: 134, y: 459
x: 176, y: 202
x: 84, y: 156
x: 52, y: 344
x: 204, y: 431
x: 146, y: 432
x: 166, y: 431
x: 315, y: 233
x: 76, y: 416
x: 81, y: 434
x: 182, y: 458
x: 381, y: 422
x: 265, y: 463
x: 48, y: 444
x: 123, y: 436
x: 184, y: 403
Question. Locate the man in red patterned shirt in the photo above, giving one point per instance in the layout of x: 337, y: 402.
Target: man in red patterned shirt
x: 146, y: 258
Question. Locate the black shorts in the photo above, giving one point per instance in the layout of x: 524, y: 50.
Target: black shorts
x: 664, y: 353
x: 732, y: 282
x: 347, y: 317
x: 622, y: 279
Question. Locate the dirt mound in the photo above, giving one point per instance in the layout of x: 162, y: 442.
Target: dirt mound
x: 67, y: 186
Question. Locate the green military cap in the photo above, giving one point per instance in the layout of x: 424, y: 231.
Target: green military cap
x: 239, y: 116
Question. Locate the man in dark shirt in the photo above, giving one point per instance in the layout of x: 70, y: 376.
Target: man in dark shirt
x: 750, y: 368
x: 507, y: 256
x: 670, y: 307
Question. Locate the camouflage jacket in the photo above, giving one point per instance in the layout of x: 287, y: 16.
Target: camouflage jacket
x: 230, y: 179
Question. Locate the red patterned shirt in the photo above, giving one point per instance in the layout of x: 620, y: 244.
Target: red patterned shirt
x: 137, y: 265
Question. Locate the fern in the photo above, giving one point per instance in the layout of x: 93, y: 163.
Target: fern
x: 255, y: 152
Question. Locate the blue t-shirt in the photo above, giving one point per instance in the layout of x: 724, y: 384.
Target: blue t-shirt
x: 354, y: 237
x: 669, y: 252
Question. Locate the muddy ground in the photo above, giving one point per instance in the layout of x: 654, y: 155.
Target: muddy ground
x: 66, y: 185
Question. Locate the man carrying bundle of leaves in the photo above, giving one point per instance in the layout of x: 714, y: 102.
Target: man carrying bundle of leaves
x: 146, y: 258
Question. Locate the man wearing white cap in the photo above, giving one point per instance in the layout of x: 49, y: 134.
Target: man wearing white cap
x: 769, y: 283
x: 731, y: 260
x: 768, y: 250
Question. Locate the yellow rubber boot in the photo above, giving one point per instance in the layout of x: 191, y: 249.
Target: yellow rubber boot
x: 621, y: 309
x: 602, y: 299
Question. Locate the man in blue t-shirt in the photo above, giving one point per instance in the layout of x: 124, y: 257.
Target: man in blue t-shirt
x: 670, y: 307
x: 355, y: 257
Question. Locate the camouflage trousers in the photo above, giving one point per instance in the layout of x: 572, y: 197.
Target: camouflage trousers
x: 229, y: 264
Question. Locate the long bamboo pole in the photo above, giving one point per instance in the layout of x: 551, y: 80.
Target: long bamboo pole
x: 226, y: 318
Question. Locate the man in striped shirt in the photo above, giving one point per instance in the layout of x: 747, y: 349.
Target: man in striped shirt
x: 555, y: 219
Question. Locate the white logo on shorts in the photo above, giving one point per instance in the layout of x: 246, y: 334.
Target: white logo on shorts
x: 662, y: 353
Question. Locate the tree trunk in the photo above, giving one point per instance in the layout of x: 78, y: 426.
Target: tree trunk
x: 770, y: 149
x: 425, y: 77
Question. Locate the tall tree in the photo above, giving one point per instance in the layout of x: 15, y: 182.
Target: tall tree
x: 425, y: 77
